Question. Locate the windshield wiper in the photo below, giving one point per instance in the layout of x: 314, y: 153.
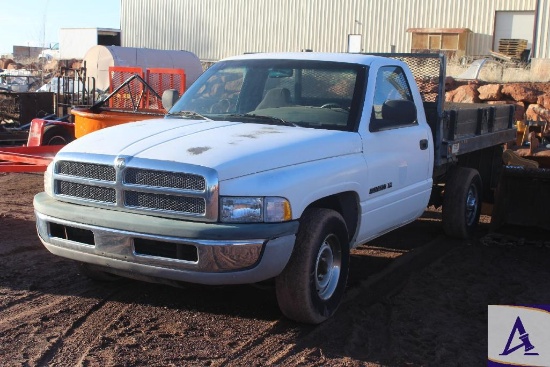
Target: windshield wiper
x: 271, y: 120
x: 188, y: 114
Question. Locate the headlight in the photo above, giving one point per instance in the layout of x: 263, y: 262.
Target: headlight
x: 254, y: 209
x: 48, y: 188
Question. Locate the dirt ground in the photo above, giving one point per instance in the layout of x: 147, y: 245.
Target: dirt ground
x: 415, y: 298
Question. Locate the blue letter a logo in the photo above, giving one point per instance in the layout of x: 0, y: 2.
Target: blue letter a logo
x: 523, y: 336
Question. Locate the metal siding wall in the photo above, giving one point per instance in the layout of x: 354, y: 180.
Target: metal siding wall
x: 543, y: 30
x: 214, y: 29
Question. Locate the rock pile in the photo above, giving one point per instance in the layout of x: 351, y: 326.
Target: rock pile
x: 7, y: 64
x: 532, y: 100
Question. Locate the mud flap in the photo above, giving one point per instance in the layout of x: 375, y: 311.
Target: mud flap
x: 522, y: 198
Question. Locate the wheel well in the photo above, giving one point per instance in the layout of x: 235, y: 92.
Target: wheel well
x: 488, y: 163
x: 345, y: 203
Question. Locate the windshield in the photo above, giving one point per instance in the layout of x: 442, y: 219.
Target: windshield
x: 315, y: 94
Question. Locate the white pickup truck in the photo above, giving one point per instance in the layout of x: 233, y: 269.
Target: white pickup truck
x: 273, y: 166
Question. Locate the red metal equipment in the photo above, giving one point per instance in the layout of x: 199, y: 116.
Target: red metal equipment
x: 130, y: 95
x: 27, y: 159
x: 137, y: 93
x: 161, y: 79
x: 36, y: 155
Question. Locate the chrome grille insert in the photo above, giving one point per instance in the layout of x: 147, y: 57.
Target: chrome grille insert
x: 138, y: 185
x: 88, y: 192
x: 87, y: 170
x: 182, y: 204
x: 184, y: 181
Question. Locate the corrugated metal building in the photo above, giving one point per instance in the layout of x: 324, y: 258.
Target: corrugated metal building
x: 214, y: 29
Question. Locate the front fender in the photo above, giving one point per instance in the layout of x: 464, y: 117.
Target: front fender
x: 305, y: 183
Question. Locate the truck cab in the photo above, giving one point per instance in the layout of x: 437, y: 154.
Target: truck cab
x: 372, y: 101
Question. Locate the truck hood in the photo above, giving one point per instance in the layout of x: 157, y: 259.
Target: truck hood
x: 233, y: 149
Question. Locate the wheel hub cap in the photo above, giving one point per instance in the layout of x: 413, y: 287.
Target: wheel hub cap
x: 471, y: 205
x: 327, y: 267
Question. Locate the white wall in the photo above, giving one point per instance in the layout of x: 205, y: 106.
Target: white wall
x: 514, y: 24
x: 75, y: 42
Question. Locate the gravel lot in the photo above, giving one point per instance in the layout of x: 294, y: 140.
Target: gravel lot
x: 415, y: 298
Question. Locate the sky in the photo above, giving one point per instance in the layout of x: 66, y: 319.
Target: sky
x: 37, y: 22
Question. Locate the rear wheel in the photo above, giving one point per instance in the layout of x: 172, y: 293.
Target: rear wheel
x: 56, y: 135
x: 462, y: 202
x: 312, y: 284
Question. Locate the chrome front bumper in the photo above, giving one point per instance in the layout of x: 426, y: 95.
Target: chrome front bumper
x: 223, y: 255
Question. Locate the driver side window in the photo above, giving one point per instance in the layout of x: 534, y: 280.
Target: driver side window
x: 393, y: 104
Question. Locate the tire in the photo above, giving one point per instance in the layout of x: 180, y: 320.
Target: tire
x: 93, y: 272
x: 311, y: 286
x: 462, y: 203
x: 56, y: 135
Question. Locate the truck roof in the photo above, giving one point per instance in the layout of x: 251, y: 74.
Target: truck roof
x: 313, y: 56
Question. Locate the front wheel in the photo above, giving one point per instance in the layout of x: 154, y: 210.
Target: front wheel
x: 312, y: 284
x: 462, y: 203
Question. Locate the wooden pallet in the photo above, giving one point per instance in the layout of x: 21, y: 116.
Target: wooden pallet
x: 512, y: 47
x: 512, y: 41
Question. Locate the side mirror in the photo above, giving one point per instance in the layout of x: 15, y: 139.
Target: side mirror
x: 169, y: 98
x: 401, y: 111
x: 394, y: 113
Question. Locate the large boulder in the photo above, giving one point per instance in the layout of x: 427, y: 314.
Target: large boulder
x: 544, y: 101
x: 520, y: 93
x: 490, y: 92
x: 7, y: 63
x: 537, y: 113
x: 463, y: 94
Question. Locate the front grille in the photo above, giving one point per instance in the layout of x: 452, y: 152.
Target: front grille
x: 186, y: 192
x: 87, y: 170
x: 89, y: 192
x: 174, y: 180
x: 172, y: 203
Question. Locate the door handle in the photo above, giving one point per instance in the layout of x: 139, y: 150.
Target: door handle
x: 424, y: 144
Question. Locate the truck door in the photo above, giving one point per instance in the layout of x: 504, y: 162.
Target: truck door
x: 398, y: 150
